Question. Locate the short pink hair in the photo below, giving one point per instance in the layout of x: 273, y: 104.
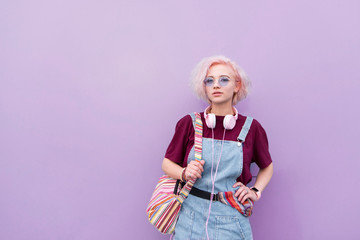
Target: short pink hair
x: 201, y: 70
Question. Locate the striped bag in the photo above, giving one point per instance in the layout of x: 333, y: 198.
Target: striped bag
x: 165, y: 203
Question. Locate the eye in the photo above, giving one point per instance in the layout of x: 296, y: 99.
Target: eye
x: 209, y: 81
x: 224, y: 81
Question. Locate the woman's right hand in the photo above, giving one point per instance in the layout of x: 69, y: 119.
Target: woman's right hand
x: 194, y: 170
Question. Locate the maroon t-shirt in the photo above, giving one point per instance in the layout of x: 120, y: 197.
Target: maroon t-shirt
x: 255, y: 147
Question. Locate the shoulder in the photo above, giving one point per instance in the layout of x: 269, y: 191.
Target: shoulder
x: 255, y: 124
x: 185, y: 122
x: 256, y: 130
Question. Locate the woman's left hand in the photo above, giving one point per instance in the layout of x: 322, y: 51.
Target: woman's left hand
x: 244, y: 193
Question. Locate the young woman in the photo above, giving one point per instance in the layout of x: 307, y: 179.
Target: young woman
x: 231, y: 142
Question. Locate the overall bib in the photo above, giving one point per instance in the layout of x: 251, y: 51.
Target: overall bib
x: 225, y: 222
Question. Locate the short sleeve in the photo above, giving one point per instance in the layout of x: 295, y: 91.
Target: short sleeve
x: 261, y: 155
x: 177, y: 148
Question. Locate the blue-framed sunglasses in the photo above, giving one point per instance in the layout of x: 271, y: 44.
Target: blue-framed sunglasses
x: 223, y: 81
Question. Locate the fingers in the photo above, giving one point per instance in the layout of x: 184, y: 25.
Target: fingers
x: 194, y: 169
x: 243, y: 192
x: 238, y: 184
x: 191, y: 174
x: 244, y: 195
x: 199, y: 165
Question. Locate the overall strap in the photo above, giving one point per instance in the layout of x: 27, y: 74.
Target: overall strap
x: 245, y: 129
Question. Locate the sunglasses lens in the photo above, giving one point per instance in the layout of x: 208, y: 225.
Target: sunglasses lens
x: 209, y: 82
x: 223, y: 81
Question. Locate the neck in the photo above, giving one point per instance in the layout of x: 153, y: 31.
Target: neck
x: 222, y: 110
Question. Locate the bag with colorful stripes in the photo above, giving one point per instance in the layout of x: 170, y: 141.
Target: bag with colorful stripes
x: 165, y: 203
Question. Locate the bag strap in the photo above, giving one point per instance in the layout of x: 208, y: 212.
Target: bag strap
x: 198, y: 136
x: 198, y: 151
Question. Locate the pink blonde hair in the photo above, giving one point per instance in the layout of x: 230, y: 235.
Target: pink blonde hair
x: 200, y: 71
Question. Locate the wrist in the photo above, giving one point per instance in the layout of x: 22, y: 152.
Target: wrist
x: 257, y: 192
x: 183, y: 177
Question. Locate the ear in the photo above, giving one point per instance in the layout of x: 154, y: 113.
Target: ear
x: 238, y: 86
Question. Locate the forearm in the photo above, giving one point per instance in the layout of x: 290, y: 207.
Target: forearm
x: 263, y: 177
x: 171, y: 169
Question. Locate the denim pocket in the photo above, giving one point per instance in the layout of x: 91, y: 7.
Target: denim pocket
x: 229, y: 227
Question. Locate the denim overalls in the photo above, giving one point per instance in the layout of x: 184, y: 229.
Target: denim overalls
x: 225, y: 222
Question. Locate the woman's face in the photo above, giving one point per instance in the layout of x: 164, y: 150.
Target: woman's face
x: 220, y: 84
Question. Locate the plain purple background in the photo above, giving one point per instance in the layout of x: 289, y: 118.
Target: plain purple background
x: 90, y: 92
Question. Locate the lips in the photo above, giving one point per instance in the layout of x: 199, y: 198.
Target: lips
x: 217, y: 93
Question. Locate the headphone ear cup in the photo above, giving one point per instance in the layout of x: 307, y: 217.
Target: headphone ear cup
x: 210, y: 120
x: 229, y: 122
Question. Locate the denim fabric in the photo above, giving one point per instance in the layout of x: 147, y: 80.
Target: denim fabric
x: 225, y: 222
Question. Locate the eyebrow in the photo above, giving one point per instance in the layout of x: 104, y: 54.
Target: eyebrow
x: 220, y: 76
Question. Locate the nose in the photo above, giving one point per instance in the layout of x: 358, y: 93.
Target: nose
x: 216, y: 84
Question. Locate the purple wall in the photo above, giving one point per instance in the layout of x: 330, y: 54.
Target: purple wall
x: 90, y: 92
